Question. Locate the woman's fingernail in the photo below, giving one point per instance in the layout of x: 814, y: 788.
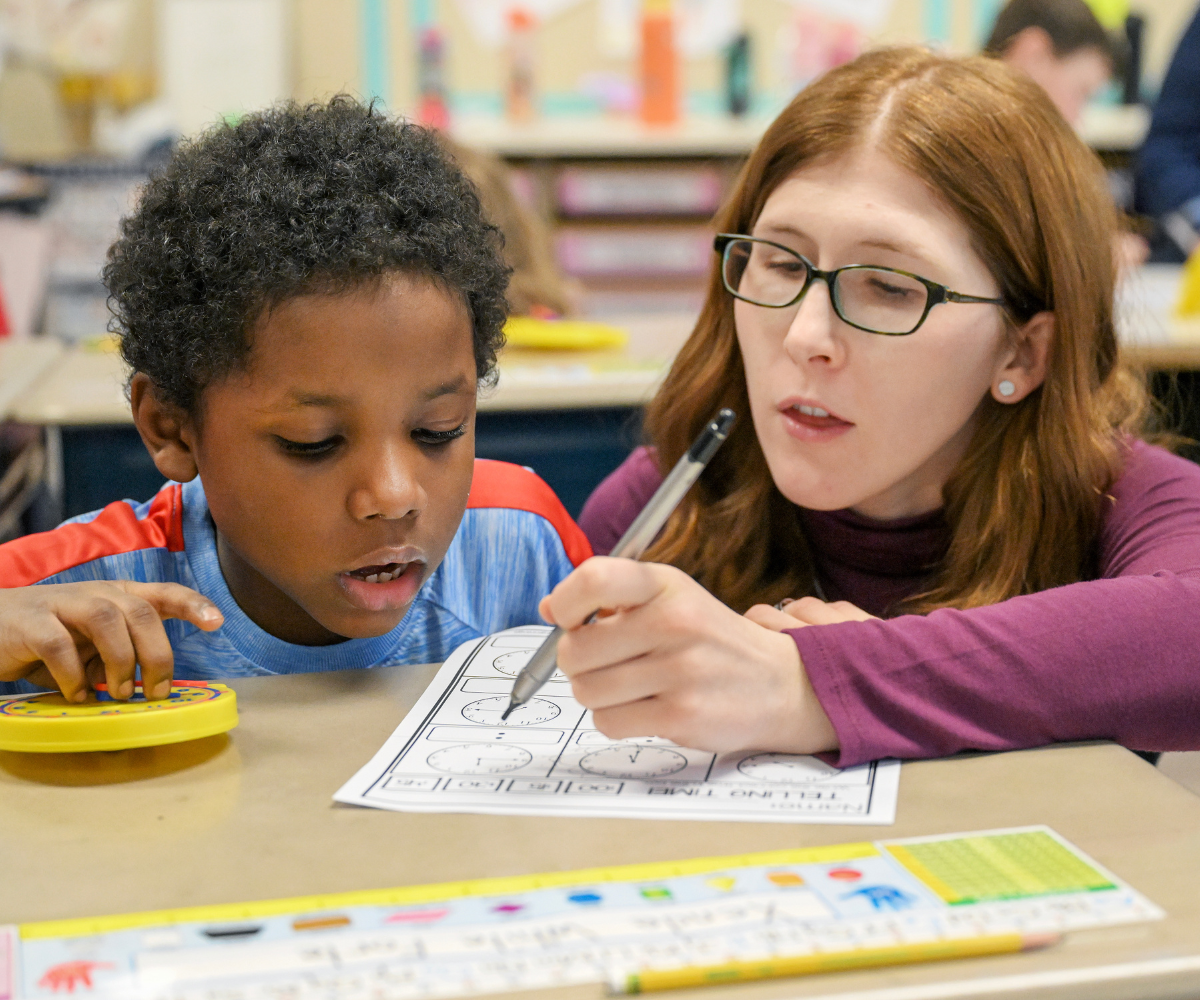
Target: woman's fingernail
x: 79, y: 696
x: 210, y: 614
x: 126, y: 690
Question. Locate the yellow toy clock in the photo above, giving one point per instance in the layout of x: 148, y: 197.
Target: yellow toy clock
x: 48, y: 723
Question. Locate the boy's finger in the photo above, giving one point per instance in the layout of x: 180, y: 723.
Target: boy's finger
x: 103, y: 622
x: 51, y: 643
x: 153, y: 648
x: 604, y: 582
x: 173, y: 600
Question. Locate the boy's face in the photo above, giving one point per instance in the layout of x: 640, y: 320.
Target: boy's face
x: 337, y: 463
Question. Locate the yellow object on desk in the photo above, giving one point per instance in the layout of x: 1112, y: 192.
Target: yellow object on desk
x: 562, y: 334
x: 653, y: 980
x: 48, y: 723
x: 1188, y: 303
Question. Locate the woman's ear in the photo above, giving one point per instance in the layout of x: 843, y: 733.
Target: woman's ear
x: 168, y: 432
x: 1022, y: 368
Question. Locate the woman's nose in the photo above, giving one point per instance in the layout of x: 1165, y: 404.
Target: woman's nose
x: 813, y: 334
x: 388, y: 488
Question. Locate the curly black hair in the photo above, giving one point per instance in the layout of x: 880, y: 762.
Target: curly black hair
x: 291, y: 201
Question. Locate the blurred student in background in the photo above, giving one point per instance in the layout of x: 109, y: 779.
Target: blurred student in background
x: 1064, y: 49
x: 1060, y: 44
x: 537, y: 285
x: 1169, y: 164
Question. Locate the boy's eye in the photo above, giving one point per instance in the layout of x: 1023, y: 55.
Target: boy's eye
x: 423, y: 436
x: 308, y: 449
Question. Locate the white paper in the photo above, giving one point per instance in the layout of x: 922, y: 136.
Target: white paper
x: 452, y: 753
x: 221, y: 58
x: 869, y: 15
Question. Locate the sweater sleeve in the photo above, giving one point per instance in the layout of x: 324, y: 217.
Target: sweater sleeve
x: 1169, y: 163
x: 617, y: 501
x: 1111, y: 658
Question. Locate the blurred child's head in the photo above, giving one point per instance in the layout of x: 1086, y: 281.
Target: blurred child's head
x: 308, y: 300
x: 1060, y: 44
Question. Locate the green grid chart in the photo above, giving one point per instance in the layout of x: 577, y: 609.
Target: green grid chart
x: 999, y: 866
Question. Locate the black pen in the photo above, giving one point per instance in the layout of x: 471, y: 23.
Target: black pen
x: 633, y: 543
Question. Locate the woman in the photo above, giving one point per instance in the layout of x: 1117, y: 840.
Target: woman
x: 938, y: 454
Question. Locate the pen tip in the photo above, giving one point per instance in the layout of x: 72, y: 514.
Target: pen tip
x: 507, y: 712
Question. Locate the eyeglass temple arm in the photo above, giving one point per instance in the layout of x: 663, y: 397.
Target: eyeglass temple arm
x: 960, y: 297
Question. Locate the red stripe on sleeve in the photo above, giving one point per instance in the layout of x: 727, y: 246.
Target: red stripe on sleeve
x: 114, y: 530
x: 502, y: 484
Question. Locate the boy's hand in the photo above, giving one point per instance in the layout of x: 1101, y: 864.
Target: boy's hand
x: 75, y: 635
x: 673, y: 661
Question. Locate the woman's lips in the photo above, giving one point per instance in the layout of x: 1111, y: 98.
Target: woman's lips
x: 389, y: 587
x: 810, y: 422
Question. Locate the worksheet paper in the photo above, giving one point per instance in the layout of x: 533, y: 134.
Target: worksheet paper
x: 452, y: 753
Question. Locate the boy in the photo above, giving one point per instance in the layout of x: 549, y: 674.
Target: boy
x: 1060, y: 44
x: 308, y: 301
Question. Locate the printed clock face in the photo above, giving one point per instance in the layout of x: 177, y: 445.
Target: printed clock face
x: 479, y: 758
x: 513, y: 663
x: 487, y: 712
x: 785, y: 767
x: 53, y: 705
x: 629, y: 760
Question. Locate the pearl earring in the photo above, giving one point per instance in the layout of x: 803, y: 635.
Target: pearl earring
x: 1006, y: 388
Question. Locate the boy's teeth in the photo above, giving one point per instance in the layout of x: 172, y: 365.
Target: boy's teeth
x: 813, y: 411
x: 387, y: 576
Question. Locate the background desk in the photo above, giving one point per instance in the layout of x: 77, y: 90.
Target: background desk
x: 249, y: 816
x: 571, y: 416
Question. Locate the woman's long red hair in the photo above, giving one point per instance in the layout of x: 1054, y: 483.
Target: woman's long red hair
x: 1024, y: 505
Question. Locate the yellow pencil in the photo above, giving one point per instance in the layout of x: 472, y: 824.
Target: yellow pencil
x: 650, y: 980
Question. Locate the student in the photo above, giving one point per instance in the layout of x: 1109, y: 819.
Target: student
x: 939, y: 455
x: 1061, y: 46
x: 1065, y: 50
x: 307, y: 300
x: 1169, y: 162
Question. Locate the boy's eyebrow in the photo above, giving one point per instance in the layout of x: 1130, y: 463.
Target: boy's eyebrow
x: 447, y: 388
x: 323, y: 400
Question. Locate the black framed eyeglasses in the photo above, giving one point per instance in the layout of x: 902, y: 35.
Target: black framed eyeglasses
x: 880, y: 300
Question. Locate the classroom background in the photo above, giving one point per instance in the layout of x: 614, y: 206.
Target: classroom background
x: 603, y: 135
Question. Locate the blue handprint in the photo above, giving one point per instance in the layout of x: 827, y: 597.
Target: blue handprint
x: 884, y: 897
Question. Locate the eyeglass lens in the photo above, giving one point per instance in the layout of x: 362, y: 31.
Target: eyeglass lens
x: 878, y: 300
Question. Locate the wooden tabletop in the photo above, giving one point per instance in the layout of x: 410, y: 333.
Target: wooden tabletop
x: 86, y: 386
x: 22, y: 363
x: 92, y: 834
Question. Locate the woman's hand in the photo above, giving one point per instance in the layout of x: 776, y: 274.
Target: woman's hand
x: 76, y: 635
x: 806, y: 611
x: 671, y: 660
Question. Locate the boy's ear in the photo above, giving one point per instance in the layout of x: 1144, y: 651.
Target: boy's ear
x: 167, y: 431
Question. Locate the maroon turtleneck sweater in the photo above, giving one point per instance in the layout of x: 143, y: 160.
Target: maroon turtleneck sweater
x: 1117, y: 657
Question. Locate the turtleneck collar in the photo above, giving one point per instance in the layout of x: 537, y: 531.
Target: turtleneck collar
x: 873, y: 564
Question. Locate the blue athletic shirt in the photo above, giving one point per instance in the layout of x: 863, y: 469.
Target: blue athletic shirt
x: 515, y: 542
